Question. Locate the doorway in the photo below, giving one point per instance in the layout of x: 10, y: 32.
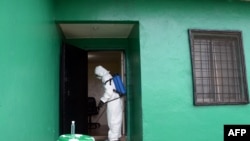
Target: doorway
x: 79, y: 83
x: 105, y: 38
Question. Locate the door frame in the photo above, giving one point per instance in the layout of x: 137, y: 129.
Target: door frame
x: 134, y: 121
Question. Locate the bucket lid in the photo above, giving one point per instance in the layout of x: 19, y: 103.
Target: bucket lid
x: 75, y: 137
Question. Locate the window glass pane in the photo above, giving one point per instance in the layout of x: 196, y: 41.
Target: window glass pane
x: 218, y: 67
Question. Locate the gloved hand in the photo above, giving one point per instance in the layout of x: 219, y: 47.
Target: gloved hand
x: 100, y: 104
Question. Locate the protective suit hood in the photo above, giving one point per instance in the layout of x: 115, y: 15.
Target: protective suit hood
x: 102, y: 73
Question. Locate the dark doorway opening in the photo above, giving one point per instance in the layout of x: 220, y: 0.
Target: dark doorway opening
x: 111, y: 36
x: 78, y: 83
x: 73, y: 90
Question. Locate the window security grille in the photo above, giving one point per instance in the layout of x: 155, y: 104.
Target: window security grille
x: 218, y: 67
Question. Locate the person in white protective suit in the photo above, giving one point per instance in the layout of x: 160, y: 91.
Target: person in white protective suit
x: 114, y: 107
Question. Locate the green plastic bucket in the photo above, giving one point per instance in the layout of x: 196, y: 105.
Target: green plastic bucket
x: 75, y: 137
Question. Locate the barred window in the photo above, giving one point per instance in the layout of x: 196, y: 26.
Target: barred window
x: 219, y: 75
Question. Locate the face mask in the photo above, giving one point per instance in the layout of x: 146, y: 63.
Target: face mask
x: 98, y: 77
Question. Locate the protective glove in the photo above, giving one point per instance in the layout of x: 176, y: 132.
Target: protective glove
x: 100, y: 104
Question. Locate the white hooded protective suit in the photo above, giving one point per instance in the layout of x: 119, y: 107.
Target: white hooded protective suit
x: 114, y: 108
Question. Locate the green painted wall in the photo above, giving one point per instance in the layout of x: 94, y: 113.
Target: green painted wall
x: 167, y: 98
x: 29, y: 71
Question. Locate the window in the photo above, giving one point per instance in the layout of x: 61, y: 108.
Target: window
x: 219, y: 75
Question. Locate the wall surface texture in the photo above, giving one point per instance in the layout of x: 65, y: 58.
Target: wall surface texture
x: 29, y: 71
x: 29, y: 65
x: 166, y: 74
